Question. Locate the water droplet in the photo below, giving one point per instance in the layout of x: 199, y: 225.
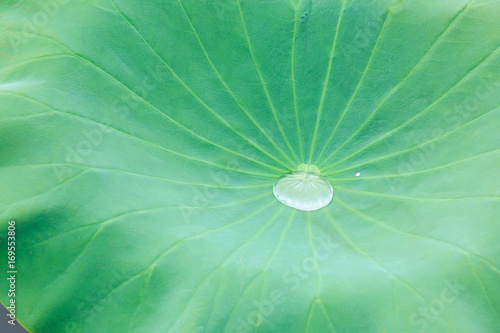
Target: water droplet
x: 304, y: 189
x: 358, y: 174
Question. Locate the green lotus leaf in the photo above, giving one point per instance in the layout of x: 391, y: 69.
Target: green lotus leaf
x: 140, y: 142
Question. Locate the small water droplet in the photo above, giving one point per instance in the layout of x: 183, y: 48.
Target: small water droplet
x: 358, y: 174
x: 304, y: 189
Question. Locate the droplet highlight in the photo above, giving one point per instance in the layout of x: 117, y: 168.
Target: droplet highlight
x: 304, y: 189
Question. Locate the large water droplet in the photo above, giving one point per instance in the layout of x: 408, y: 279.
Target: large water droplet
x: 304, y: 189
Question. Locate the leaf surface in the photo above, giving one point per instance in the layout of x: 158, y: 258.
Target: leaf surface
x: 140, y: 142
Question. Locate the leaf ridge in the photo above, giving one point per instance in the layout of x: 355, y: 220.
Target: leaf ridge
x: 326, y: 81
x: 395, y: 277
x: 294, y: 83
x: 420, y: 114
x: 358, y: 85
x: 222, y: 265
x: 230, y: 91
x: 264, y: 85
x: 278, y: 246
x: 437, y: 138
x: 396, y: 88
x: 206, y: 106
x: 386, y: 226
x: 72, y: 115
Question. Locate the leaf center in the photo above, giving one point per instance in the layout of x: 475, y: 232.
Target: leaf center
x: 304, y: 189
